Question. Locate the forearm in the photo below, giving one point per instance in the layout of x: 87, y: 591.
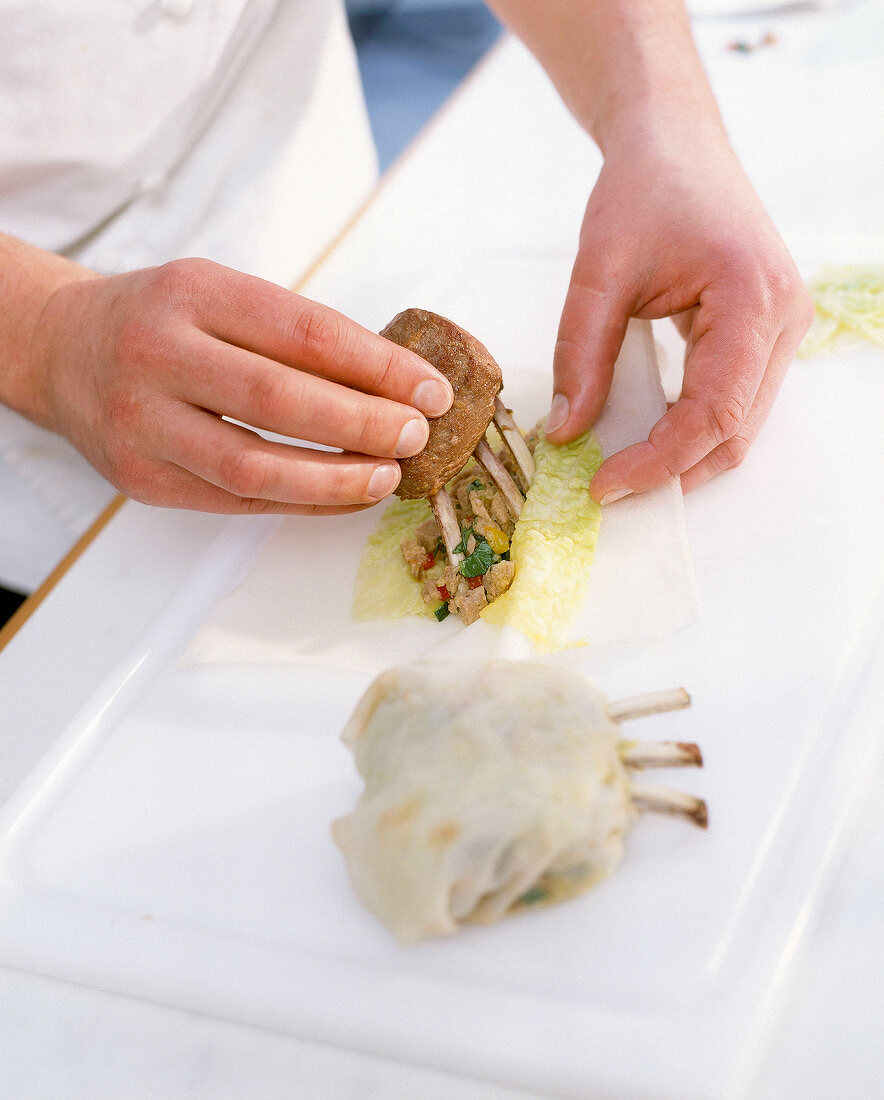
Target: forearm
x: 627, y: 69
x: 29, y: 277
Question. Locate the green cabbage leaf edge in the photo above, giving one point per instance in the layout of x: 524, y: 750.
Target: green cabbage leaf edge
x: 553, y: 544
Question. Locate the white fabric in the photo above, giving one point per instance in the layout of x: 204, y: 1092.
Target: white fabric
x: 295, y: 605
x: 49, y: 495
x: 136, y: 131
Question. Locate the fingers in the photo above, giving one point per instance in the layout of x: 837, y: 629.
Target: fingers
x: 233, y: 382
x: 245, y: 466
x: 275, y: 323
x: 723, y: 373
x: 173, y: 487
x: 732, y: 451
x: 590, y: 334
x: 684, y: 322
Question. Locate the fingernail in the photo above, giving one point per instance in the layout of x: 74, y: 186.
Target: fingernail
x: 432, y: 397
x: 559, y: 411
x: 615, y: 494
x: 412, y: 438
x: 383, y: 481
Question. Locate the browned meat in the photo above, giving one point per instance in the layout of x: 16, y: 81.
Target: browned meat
x: 468, y: 602
x: 498, y: 579
x: 476, y: 381
x: 415, y: 556
x: 478, y: 509
x: 428, y: 535
x: 498, y: 510
x: 450, y: 578
x: 430, y: 593
x: 461, y: 489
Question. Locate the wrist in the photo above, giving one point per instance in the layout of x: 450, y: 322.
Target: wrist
x: 673, y: 119
x: 26, y: 338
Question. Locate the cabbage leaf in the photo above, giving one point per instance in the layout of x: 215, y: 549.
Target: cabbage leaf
x: 553, y: 544
x: 384, y: 587
x: 552, y: 549
x: 849, y: 305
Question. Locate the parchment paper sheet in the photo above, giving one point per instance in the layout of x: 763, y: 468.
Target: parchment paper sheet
x: 294, y: 607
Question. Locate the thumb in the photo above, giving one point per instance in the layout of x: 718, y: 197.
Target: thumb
x: 591, y: 332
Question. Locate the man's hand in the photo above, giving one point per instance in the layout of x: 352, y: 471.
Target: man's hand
x: 679, y: 232
x: 673, y: 227
x: 138, y: 370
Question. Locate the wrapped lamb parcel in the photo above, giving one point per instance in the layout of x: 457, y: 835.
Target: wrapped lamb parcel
x: 493, y: 788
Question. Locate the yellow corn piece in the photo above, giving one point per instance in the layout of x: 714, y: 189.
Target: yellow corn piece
x: 496, y: 539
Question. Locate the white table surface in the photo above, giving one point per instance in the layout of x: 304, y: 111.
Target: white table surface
x: 805, y: 118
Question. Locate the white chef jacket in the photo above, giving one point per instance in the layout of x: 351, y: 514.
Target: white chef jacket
x: 136, y: 131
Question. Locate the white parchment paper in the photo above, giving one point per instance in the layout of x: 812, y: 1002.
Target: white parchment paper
x: 294, y: 607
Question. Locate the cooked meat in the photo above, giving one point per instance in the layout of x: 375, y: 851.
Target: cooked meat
x: 428, y: 535
x: 468, y: 602
x: 461, y: 486
x: 477, y: 507
x: 430, y: 593
x: 498, y: 579
x: 476, y: 381
x: 415, y: 556
x: 450, y: 578
x: 499, y: 511
x: 531, y: 437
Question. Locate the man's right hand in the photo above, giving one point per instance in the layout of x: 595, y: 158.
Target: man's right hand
x: 138, y: 370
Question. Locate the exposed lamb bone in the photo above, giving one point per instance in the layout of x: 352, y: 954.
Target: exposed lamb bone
x: 655, y: 702
x: 660, y: 754
x: 446, y: 517
x: 515, y: 442
x: 664, y: 801
x: 501, y: 477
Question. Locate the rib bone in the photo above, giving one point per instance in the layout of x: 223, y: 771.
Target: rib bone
x: 443, y: 509
x: 655, y: 702
x: 660, y: 754
x: 500, y: 476
x: 515, y: 442
x: 661, y: 800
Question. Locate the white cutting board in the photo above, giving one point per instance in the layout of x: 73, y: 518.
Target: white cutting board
x: 174, y: 845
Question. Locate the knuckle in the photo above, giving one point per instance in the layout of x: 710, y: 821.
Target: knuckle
x: 569, y: 350
x: 724, y: 418
x: 666, y: 440
x: 730, y: 256
x: 133, y: 476
x: 250, y: 506
x: 782, y: 286
x: 735, y: 450
x: 366, y: 434
x: 668, y: 465
x: 180, y: 281
x: 351, y: 485
x: 317, y: 334
x: 726, y: 456
x: 373, y: 433
x: 763, y: 287
x: 388, y: 365
x: 341, y: 485
x: 270, y: 394
x: 244, y: 472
